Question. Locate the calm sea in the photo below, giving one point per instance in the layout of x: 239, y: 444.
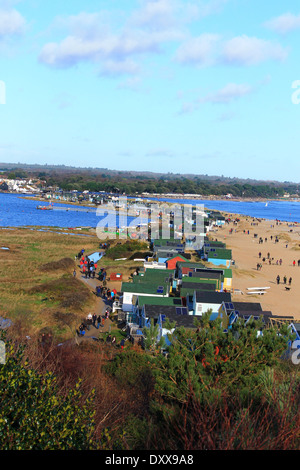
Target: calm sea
x: 17, y: 212
x: 273, y: 210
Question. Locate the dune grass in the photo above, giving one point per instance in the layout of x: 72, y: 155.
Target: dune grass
x: 37, y: 282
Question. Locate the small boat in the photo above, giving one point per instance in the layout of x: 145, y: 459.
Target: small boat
x: 45, y: 208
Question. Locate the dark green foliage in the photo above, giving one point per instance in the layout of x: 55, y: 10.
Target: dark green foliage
x: 130, y: 367
x: 35, y: 415
x: 125, y: 249
x: 208, y: 361
x: 151, y: 338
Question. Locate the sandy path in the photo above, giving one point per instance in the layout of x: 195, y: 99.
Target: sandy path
x: 100, y: 307
x: 245, y: 251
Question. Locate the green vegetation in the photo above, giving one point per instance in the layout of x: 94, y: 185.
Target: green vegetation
x: 211, y: 391
x: 124, y: 250
x: 173, y: 185
x: 37, y: 281
x: 35, y: 414
x: 95, y: 180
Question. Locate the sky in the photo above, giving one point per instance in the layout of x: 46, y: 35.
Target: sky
x: 171, y: 86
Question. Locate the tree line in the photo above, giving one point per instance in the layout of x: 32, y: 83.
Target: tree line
x: 139, y: 185
x: 93, y: 181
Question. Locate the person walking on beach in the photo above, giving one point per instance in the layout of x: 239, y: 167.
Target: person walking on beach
x: 284, y: 280
x: 278, y: 279
x: 294, y: 263
x: 290, y: 281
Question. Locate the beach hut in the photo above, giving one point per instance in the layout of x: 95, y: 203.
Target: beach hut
x: 219, y: 257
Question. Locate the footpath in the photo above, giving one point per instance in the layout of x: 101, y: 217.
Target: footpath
x: 100, y: 309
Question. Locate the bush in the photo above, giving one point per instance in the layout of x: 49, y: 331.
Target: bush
x: 35, y: 414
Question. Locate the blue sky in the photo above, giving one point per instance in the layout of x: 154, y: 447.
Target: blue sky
x: 196, y: 86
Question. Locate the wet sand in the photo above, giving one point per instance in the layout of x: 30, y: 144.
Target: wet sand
x: 245, y: 252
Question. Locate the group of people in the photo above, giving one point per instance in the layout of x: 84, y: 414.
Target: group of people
x: 268, y: 258
x: 284, y: 280
x: 95, y: 320
x: 88, y: 267
x: 111, y: 340
x: 106, y: 293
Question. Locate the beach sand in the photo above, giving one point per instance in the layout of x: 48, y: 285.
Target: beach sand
x: 245, y: 252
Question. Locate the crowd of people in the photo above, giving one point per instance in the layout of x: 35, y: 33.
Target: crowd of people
x: 88, y: 268
x: 279, y: 262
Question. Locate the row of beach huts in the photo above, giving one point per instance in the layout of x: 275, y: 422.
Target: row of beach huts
x: 173, y: 286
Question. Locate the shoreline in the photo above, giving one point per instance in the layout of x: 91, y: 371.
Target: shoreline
x: 167, y: 196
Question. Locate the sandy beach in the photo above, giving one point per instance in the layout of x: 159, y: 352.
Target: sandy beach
x: 245, y: 252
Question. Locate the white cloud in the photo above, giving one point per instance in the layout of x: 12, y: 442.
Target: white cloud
x: 145, y: 31
x: 199, y: 50
x: 116, y: 68
x: 90, y: 39
x: 11, y: 23
x: 111, y: 48
x: 231, y: 92
x: 226, y: 95
x: 212, y: 49
x: 210, y: 7
x: 245, y: 50
x: 156, y: 14
x: 284, y: 24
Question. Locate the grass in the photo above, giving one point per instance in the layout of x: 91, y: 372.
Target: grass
x: 285, y: 237
x: 37, y: 286
x: 37, y: 281
x: 126, y: 249
x: 244, y: 272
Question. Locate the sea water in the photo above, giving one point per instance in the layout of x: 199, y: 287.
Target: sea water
x: 16, y: 211
x: 286, y: 211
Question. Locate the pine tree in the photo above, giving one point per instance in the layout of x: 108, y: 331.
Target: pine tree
x: 206, y: 360
x: 151, y: 341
